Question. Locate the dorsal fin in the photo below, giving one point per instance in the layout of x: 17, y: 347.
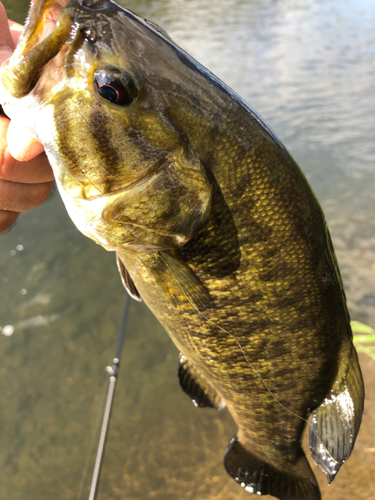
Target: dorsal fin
x: 197, y: 387
x: 127, y: 280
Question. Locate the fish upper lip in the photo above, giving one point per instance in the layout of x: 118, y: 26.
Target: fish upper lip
x: 159, y: 164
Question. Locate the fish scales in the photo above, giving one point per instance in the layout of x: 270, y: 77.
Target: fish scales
x: 214, y: 226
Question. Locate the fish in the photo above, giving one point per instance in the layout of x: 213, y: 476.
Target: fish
x: 214, y: 226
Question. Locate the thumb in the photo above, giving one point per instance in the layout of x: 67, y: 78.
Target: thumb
x: 21, y: 144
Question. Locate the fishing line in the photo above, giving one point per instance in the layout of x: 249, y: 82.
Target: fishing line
x: 241, y: 349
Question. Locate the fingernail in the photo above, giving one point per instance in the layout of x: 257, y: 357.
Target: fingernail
x: 25, y: 151
x: 21, y: 144
x: 19, y: 151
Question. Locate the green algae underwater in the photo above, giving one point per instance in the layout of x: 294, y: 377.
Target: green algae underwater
x: 166, y: 479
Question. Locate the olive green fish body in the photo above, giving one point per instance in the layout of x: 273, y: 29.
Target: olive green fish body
x: 214, y: 226
x: 270, y: 346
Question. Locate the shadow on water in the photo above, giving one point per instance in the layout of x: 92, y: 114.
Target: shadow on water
x: 308, y: 69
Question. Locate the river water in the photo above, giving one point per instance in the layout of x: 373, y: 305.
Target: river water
x: 308, y: 67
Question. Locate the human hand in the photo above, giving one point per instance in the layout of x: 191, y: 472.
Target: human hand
x: 26, y: 178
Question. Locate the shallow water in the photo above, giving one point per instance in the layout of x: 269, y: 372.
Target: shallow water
x: 308, y: 68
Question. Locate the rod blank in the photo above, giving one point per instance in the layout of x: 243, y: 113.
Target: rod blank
x: 113, y: 371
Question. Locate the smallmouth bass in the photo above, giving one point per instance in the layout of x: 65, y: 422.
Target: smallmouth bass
x: 214, y: 225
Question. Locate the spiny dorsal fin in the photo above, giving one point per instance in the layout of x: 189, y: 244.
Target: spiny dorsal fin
x: 178, y: 281
x: 127, y: 281
x: 336, y: 422
x: 197, y: 387
x: 290, y: 482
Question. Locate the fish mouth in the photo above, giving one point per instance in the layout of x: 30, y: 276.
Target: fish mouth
x: 49, y: 26
x: 46, y: 31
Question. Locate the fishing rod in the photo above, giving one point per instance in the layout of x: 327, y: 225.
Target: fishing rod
x: 113, y: 374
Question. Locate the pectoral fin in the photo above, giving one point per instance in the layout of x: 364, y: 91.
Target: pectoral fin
x: 178, y: 281
x: 197, y: 387
x: 127, y: 280
x: 336, y: 422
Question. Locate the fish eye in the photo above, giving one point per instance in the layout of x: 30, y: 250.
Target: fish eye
x: 115, y: 86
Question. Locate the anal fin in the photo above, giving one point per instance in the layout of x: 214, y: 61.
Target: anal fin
x: 290, y: 482
x: 127, y: 280
x: 196, y: 386
x: 335, y: 423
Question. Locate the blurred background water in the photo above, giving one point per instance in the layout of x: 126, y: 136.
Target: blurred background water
x: 308, y: 67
